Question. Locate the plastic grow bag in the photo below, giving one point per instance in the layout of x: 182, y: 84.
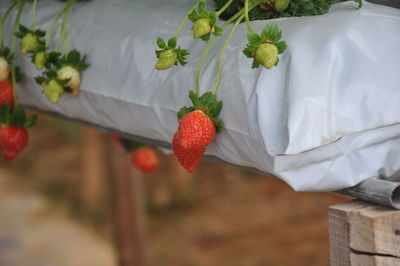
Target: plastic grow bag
x: 326, y: 118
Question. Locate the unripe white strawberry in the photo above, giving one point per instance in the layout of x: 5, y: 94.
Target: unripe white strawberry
x: 40, y: 60
x: 53, y: 91
x: 69, y: 72
x: 267, y: 55
x: 29, y: 43
x: 4, y: 69
x: 167, y: 59
x: 201, y: 27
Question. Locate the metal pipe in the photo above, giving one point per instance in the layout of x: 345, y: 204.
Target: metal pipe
x: 376, y: 190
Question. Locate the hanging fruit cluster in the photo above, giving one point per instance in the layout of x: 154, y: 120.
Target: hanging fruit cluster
x: 199, y: 123
x: 61, y: 72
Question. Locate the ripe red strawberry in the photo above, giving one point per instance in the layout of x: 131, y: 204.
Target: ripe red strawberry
x: 188, y: 158
x: 6, y: 93
x: 196, y: 130
x: 145, y: 159
x: 13, y: 140
x: 116, y: 138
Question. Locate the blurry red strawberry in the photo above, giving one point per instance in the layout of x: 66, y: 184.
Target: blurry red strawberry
x: 145, y: 159
x: 116, y: 138
x: 13, y: 140
x: 6, y: 93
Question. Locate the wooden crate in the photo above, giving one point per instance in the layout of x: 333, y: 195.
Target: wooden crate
x: 364, y: 234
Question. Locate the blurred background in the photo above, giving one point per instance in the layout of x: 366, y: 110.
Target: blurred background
x: 50, y: 214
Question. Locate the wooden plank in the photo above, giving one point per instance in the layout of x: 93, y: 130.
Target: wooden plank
x: 375, y: 229
x: 363, y: 234
x: 368, y: 260
x: 339, y: 231
x: 129, y: 219
x: 93, y: 169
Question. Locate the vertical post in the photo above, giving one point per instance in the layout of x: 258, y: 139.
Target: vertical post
x: 364, y: 234
x: 129, y: 220
x: 93, y: 168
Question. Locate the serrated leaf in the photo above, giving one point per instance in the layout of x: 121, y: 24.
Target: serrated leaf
x: 281, y: 46
x: 172, y: 43
x: 247, y: 52
x: 253, y: 38
x: 272, y: 32
x: 161, y: 43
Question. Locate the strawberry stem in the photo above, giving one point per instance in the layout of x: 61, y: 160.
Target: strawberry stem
x: 221, y: 55
x: 20, y: 6
x: 34, y: 14
x: 224, y: 7
x: 64, y: 31
x: 184, y: 21
x: 211, y: 42
x: 53, y: 26
x: 3, y: 19
x: 246, y: 13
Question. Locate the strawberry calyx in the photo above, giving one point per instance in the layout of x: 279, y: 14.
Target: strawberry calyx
x: 259, y: 46
x: 5, y: 53
x: 170, y: 54
x: 15, y: 116
x: 207, y: 103
x: 205, y: 23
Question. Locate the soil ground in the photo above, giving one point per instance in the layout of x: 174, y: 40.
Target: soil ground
x: 224, y: 216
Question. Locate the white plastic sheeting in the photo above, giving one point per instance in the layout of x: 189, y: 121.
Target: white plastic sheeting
x: 326, y: 118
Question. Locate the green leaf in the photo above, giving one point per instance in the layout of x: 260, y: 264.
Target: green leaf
x: 255, y: 64
x: 185, y: 110
x: 23, y: 29
x: 281, y: 46
x: 254, y: 38
x: 194, y: 98
x: 30, y: 121
x: 18, y: 116
x: 271, y: 32
x: 172, y: 42
x: 161, y: 43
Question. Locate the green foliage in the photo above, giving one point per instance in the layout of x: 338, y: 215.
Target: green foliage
x: 171, y: 45
x: 295, y: 8
x: 270, y: 34
x: 5, y: 52
x: 208, y: 103
x: 15, y: 116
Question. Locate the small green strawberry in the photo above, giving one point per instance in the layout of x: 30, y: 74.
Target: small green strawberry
x: 201, y: 28
x: 167, y: 59
x: 265, y: 48
x: 169, y: 54
x: 204, y: 22
x: 281, y: 5
x: 40, y: 59
x: 29, y: 43
x: 267, y: 55
x: 53, y: 91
